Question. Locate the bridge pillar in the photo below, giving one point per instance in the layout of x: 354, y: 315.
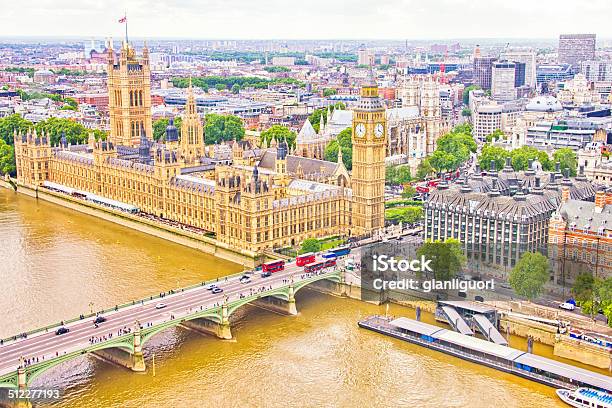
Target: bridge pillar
x: 138, y: 363
x: 224, y: 331
x: 291, y: 308
x: 21, y: 378
x: 275, y: 304
x: 22, y: 384
x: 206, y: 326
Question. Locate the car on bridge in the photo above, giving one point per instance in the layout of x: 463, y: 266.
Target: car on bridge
x: 160, y: 305
x: 217, y: 290
x: 210, y: 286
x: 245, y: 279
x: 266, y: 274
x: 99, y: 319
x: 62, y: 330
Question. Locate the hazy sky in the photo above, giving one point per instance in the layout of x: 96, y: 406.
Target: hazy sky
x: 305, y: 19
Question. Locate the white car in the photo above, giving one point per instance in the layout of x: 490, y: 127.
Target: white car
x: 567, y: 306
x: 245, y: 279
x: 160, y: 305
x: 210, y: 287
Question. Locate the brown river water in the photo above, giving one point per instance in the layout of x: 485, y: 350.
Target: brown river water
x: 55, y: 263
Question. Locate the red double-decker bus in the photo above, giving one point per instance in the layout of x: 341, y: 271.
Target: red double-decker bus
x: 305, y: 259
x: 273, y: 266
x: 318, y: 266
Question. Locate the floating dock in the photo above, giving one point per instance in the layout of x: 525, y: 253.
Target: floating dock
x: 536, y: 368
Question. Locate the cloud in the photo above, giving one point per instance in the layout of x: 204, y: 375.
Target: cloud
x: 247, y: 19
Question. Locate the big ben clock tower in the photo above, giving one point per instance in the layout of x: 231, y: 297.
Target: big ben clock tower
x: 369, y: 151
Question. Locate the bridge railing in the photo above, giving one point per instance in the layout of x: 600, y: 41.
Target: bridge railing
x: 115, y: 308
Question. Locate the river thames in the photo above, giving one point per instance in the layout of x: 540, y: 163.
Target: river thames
x: 56, y: 264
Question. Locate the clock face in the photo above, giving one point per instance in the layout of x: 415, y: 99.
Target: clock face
x: 379, y: 130
x: 360, y: 129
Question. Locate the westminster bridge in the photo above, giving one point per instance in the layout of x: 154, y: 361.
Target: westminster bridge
x: 121, y: 338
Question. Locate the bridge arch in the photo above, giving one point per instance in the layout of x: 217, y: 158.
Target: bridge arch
x: 126, y: 344
x: 209, y: 314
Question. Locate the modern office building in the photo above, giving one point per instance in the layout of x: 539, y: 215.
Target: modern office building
x: 502, y: 214
x: 520, y: 74
x: 575, y: 48
x: 483, y: 67
x: 502, y: 81
x: 553, y: 72
x: 596, y: 70
x: 527, y: 57
x: 487, y: 118
x: 574, y: 133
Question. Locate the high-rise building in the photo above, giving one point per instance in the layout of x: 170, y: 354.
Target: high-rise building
x: 487, y: 118
x: 575, y: 48
x: 129, y: 96
x: 369, y: 152
x: 482, y: 71
x: 596, y: 70
x: 502, y: 81
x: 365, y: 56
x: 527, y: 57
x: 520, y: 74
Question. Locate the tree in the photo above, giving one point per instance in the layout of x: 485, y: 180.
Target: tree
x: 522, y: 155
x: 10, y: 123
x: 497, y: 135
x: 219, y: 128
x: 408, y: 192
x: 344, y: 141
x: 329, y: 92
x: 466, y: 112
x: 278, y: 133
x: 567, y: 158
x: 397, y: 175
x: 598, y: 298
x: 424, y: 170
x: 453, y: 149
x: 276, y: 69
x: 315, y: 117
x: 160, y: 125
x: 446, y: 257
x: 310, y: 245
x: 56, y: 127
x: 466, y: 93
x: 529, y: 275
x: 583, y: 287
x: 235, y: 89
x: 7, y: 158
x: 492, y: 153
x: 407, y: 215
x: 603, y: 296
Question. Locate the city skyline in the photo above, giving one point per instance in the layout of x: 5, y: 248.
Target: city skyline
x: 315, y: 20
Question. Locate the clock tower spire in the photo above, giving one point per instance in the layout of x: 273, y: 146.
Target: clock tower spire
x: 369, y: 151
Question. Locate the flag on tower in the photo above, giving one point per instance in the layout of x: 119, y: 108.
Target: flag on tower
x: 123, y: 19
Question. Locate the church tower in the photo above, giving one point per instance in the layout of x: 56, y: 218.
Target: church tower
x: 369, y: 151
x: 129, y: 96
x: 192, y: 134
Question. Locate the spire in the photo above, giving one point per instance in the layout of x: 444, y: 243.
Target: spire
x: 321, y: 124
x: 340, y: 159
x: 299, y: 172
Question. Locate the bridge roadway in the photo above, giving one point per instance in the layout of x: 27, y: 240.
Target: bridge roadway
x: 47, y: 346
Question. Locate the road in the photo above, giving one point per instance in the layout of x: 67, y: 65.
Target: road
x: 48, y: 345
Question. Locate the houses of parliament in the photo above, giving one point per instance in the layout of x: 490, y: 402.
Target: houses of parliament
x: 250, y: 203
